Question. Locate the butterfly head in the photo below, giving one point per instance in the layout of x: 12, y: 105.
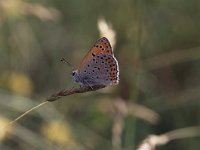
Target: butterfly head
x: 74, y: 73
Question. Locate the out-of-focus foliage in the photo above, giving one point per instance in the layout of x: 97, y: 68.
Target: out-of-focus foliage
x: 158, y: 48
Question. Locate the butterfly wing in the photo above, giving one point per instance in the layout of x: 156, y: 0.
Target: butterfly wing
x: 102, y: 46
x: 99, y: 66
x: 101, y: 70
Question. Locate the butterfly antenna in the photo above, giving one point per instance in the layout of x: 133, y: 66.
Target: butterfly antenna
x: 65, y: 61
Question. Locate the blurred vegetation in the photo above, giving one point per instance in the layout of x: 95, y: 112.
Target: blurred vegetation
x: 157, y: 46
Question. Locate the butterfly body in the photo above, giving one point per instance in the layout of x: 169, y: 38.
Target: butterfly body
x: 99, y: 67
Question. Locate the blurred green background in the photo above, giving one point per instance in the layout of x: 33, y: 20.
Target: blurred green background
x: 156, y: 44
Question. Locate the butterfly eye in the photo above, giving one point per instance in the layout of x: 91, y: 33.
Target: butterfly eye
x: 73, y: 73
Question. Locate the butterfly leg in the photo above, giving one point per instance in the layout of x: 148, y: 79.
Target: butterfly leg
x: 88, y: 84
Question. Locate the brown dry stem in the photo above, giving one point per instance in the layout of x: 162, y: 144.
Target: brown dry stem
x: 70, y: 91
x: 54, y: 97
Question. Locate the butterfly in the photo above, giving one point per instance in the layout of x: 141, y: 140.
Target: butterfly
x: 98, y: 67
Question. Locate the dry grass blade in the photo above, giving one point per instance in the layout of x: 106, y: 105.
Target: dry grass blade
x: 152, y: 141
x: 56, y: 96
x: 171, y: 58
x: 71, y: 91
